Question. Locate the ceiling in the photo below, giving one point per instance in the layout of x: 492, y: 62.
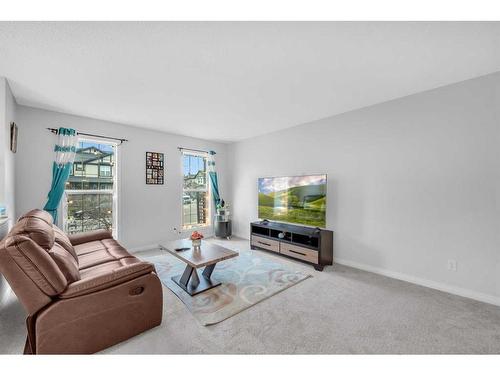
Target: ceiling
x: 228, y: 81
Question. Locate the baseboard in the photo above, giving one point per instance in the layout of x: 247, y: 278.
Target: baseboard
x: 243, y: 236
x: 462, y: 292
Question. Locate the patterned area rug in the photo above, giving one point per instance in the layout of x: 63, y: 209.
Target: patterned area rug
x: 246, y: 280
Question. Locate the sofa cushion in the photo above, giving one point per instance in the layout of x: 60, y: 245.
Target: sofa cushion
x: 41, y: 214
x: 36, y: 263
x: 108, y: 267
x: 37, y: 225
x: 88, y: 247
x: 121, y: 272
x: 93, y: 235
x: 97, y: 252
x: 62, y: 239
x: 66, y: 262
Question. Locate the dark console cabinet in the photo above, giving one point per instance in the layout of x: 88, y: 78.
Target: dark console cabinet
x: 310, y: 245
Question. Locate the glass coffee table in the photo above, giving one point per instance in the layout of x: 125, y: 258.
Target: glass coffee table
x: 207, y: 256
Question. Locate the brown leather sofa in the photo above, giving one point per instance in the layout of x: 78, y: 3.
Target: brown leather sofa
x: 82, y: 293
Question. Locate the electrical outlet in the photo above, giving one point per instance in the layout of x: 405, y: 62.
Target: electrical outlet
x: 451, y: 265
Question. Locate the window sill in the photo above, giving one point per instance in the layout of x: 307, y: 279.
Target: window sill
x: 196, y: 228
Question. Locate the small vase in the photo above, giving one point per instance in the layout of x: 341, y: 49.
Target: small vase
x: 196, y: 243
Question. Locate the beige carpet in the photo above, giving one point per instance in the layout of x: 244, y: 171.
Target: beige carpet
x: 339, y: 310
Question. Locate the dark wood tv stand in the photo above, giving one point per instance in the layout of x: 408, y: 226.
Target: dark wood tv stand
x: 310, y: 245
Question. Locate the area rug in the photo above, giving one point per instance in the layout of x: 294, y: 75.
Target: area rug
x: 246, y: 280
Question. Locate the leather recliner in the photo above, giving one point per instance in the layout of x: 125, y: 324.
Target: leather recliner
x: 83, y: 292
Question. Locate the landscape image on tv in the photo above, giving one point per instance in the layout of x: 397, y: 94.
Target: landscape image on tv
x: 298, y: 199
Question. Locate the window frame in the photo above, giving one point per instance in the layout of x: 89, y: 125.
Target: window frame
x: 105, y: 175
x: 208, y: 192
x: 115, y: 192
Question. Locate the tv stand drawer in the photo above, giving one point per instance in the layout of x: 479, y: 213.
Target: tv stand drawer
x: 299, y: 252
x: 266, y: 243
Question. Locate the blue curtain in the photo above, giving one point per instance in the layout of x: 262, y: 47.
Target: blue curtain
x: 214, y: 184
x: 65, y: 150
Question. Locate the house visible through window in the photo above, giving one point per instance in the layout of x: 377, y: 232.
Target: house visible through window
x: 105, y: 171
x: 91, y: 188
x: 195, y: 203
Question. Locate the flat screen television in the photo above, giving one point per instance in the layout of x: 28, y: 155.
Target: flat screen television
x: 295, y: 199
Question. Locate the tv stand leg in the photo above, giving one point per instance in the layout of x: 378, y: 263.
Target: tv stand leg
x: 318, y: 267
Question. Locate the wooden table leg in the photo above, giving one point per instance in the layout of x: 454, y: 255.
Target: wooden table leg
x: 207, y: 272
x: 186, y: 275
x: 192, y: 283
x: 195, y: 280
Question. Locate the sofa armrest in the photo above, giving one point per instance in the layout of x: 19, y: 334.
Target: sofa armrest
x: 95, y: 235
x: 107, y: 280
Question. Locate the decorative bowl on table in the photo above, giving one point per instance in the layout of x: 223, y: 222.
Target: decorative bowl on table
x: 196, y: 239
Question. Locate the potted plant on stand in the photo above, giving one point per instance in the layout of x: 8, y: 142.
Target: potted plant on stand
x: 222, y: 222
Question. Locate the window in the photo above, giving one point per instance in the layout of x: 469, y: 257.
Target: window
x: 195, y: 195
x: 105, y: 170
x: 90, y: 193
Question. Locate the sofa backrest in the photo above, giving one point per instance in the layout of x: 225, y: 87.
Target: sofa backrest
x: 37, y: 252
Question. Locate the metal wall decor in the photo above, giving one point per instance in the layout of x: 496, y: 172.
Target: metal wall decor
x: 154, y: 168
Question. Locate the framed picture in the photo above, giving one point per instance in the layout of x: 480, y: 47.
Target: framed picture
x: 13, y: 137
x: 154, y: 168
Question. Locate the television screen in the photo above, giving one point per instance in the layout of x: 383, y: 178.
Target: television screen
x: 297, y: 199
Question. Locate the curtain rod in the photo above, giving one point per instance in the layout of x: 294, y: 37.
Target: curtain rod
x: 193, y: 149
x: 53, y: 130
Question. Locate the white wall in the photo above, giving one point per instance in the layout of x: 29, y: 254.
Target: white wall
x: 7, y: 191
x: 148, y: 213
x: 7, y: 115
x: 9, y: 187
x: 412, y: 183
